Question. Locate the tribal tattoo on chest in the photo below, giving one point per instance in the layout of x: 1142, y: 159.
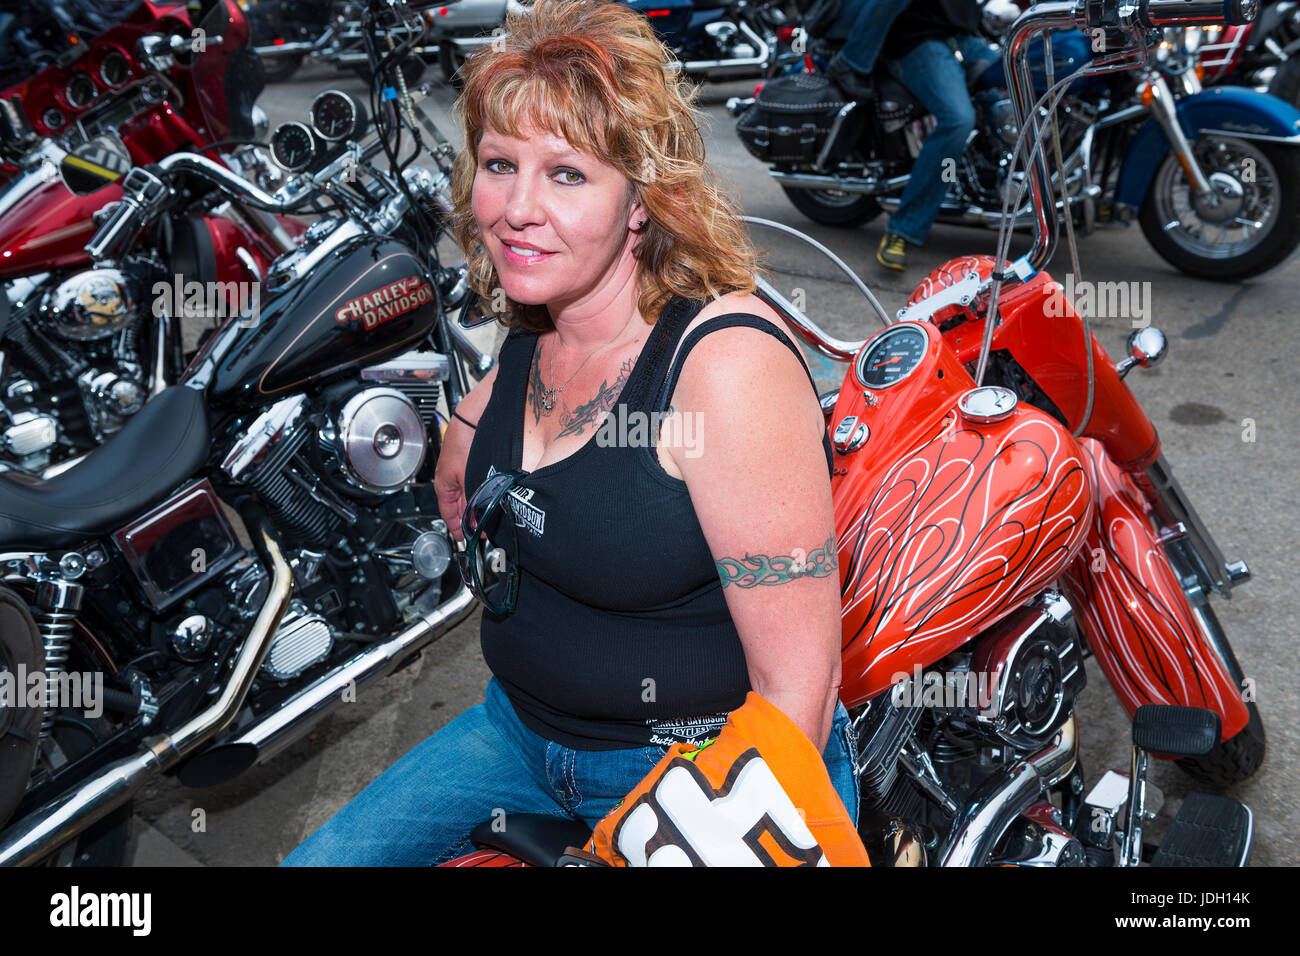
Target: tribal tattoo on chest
x: 576, y: 420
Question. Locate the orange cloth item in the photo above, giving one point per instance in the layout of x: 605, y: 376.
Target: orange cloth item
x: 757, y: 795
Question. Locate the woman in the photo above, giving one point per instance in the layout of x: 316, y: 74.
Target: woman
x: 658, y: 581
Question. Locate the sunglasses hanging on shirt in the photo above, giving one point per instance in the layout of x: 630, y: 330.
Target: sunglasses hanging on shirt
x: 488, y: 563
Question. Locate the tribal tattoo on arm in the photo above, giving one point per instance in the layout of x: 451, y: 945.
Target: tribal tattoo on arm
x: 594, y: 410
x: 756, y: 569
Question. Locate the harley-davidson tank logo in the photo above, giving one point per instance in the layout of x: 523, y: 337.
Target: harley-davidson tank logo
x: 397, y: 298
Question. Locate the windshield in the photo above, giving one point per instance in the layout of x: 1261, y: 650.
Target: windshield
x: 227, y: 74
x: 33, y: 33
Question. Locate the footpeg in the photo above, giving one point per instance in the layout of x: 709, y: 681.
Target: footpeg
x: 1163, y: 729
x: 1176, y: 731
x: 1208, y: 831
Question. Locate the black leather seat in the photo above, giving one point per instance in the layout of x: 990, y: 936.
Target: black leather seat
x: 161, y: 446
x: 535, y: 838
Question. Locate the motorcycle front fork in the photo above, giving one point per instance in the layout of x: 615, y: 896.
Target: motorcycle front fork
x: 1162, y: 108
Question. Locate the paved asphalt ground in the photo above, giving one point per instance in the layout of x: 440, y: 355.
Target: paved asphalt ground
x: 1229, y: 361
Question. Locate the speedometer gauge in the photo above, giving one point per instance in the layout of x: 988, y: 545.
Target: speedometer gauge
x: 114, y: 69
x: 334, y: 115
x: 80, y: 91
x: 892, y: 357
x: 293, y: 146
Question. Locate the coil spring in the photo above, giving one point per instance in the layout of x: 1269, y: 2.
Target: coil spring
x: 56, y: 633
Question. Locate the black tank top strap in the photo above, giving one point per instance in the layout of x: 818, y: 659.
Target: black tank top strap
x: 727, y: 321
x: 673, y: 319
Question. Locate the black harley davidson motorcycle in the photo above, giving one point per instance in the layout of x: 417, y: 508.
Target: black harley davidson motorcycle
x: 145, y: 629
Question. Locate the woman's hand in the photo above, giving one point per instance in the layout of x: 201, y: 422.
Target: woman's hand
x: 449, y: 475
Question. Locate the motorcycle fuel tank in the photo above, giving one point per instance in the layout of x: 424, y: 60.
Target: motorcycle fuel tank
x: 369, y: 300
x: 953, y: 506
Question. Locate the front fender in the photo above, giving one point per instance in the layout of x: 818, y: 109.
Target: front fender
x: 1227, y: 110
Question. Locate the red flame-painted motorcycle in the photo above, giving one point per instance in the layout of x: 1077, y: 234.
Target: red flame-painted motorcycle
x: 87, y: 94
x: 1001, y: 503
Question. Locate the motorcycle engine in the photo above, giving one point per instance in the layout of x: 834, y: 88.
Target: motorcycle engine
x: 89, y: 305
x: 375, y: 441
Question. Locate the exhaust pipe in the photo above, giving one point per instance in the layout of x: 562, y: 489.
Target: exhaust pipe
x: 1006, y: 795
x: 295, y: 717
x: 44, y: 830
x: 847, y: 184
x: 735, y: 64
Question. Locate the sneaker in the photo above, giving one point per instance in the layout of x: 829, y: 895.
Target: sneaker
x: 892, y: 252
x: 849, y: 80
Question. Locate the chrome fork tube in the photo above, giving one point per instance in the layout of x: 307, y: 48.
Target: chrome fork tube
x: 1162, y: 108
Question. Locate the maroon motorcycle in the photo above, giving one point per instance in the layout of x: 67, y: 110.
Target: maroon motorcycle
x: 88, y: 96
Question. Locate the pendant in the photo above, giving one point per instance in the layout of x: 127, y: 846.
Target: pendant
x: 548, y: 398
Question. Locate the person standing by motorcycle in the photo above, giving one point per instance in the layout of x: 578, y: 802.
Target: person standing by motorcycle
x: 657, y: 580
x: 934, y: 49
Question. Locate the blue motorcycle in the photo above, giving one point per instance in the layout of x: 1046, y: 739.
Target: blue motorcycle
x: 1212, y: 176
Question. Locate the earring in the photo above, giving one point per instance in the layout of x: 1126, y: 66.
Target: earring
x: 640, y: 225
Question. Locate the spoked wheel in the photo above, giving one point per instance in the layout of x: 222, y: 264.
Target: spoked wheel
x: 1249, y: 221
x: 833, y: 207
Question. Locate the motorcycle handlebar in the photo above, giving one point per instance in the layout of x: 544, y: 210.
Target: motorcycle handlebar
x: 1192, y: 13
x: 117, y: 231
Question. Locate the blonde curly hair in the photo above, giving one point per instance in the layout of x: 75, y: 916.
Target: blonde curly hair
x: 593, y: 72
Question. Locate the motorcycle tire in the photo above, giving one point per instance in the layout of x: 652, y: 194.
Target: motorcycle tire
x: 281, y: 67
x: 1286, y: 82
x: 1241, y: 755
x: 105, y: 842
x: 21, y: 651
x: 1269, y: 248
x: 829, y: 207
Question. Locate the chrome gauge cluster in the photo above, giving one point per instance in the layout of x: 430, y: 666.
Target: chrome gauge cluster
x: 893, y: 356
x: 335, y: 118
x: 293, y: 146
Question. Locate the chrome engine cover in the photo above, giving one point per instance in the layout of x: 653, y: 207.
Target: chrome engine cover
x: 89, y: 305
x: 1033, y: 660
x: 377, y: 440
x: 303, y: 639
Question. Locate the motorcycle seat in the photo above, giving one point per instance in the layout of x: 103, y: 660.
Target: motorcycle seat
x: 536, y: 838
x: 162, y: 445
x: 894, y: 100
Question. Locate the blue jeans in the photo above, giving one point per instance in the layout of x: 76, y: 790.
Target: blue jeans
x: 420, y: 811
x: 937, y: 79
x: 870, y: 22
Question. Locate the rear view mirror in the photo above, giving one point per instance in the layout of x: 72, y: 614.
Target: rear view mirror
x: 94, y: 165
x: 473, y: 313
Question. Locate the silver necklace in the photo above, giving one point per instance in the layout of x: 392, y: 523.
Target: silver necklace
x: 549, y: 394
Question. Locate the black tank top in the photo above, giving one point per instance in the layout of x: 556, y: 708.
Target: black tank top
x: 621, y: 636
